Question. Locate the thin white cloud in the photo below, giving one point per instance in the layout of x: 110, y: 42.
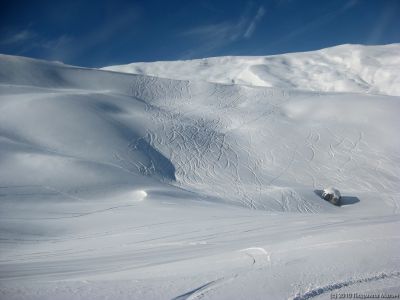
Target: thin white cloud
x: 66, y: 47
x: 218, y: 35
x: 57, y: 43
x: 27, y: 40
x: 213, y: 36
x: 252, y: 26
x: 315, y: 23
x: 223, y: 30
x: 387, y: 15
x: 22, y: 36
x: 350, y: 4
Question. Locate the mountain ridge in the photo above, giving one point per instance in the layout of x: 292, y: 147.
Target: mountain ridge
x: 343, y: 68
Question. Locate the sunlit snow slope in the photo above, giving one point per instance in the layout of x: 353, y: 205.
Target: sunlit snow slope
x: 345, y: 68
x: 137, y: 187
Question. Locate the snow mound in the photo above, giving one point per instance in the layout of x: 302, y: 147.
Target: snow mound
x: 258, y: 147
x: 345, y: 68
x: 124, y: 186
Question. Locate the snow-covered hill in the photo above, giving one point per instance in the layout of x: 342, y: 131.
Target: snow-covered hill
x: 345, y: 68
x: 137, y: 187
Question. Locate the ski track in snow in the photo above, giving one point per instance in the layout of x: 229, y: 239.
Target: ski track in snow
x: 205, y: 289
x: 340, y: 285
x: 195, y: 188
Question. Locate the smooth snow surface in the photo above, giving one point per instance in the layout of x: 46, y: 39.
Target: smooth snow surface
x: 124, y: 186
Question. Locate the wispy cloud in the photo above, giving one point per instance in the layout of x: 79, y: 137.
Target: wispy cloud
x: 214, y: 36
x: 387, y: 15
x: 252, y: 26
x: 25, y: 40
x: 71, y: 47
x: 350, y: 4
x: 221, y: 31
x: 31, y: 41
x: 18, y: 37
x: 315, y: 23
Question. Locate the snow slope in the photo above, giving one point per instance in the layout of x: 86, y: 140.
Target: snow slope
x: 126, y: 186
x: 345, y: 68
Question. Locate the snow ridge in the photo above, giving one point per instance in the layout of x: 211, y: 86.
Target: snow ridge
x: 203, y: 185
x: 345, y: 68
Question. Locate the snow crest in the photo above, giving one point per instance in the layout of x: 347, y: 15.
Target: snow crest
x: 345, y: 68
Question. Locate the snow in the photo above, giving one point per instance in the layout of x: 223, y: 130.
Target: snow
x: 344, y: 68
x: 187, y: 186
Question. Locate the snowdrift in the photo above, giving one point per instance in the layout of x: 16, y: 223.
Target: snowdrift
x: 129, y: 186
x: 264, y: 148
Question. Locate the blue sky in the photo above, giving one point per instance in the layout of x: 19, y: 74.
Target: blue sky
x: 101, y: 33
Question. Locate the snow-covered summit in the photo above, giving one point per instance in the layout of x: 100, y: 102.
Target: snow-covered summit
x: 345, y: 68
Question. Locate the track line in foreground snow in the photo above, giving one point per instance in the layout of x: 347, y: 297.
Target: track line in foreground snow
x: 339, y: 285
x: 200, y: 292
